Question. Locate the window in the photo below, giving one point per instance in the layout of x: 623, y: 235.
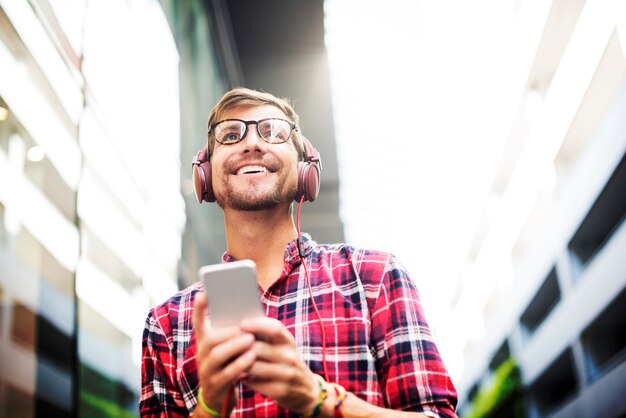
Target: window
x: 556, y: 385
x: 604, y: 217
x: 54, y: 344
x: 542, y: 304
x: 472, y: 392
x: 503, y: 353
x: 604, y: 340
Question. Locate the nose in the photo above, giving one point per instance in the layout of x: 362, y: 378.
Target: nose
x: 253, y: 140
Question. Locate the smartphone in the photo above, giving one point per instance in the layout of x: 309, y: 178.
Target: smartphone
x: 232, y: 292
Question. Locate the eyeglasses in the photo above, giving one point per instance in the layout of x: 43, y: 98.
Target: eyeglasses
x: 272, y: 130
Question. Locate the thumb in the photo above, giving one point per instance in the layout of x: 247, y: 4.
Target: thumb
x: 199, y: 316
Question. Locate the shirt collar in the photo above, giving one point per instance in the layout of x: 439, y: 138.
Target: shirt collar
x: 292, y: 256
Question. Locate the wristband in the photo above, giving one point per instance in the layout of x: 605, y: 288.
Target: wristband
x: 318, y: 407
x: 206, y: 407
x: 341, y: 393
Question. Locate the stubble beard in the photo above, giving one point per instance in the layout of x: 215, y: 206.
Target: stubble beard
x: 254, y: 199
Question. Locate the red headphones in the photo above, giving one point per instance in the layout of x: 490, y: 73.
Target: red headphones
x: 308, y: 174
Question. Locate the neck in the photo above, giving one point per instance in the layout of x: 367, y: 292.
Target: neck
x: 260, y: 236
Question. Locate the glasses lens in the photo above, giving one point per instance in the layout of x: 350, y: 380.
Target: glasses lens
x: 274, y: 130
x: 229, y: 131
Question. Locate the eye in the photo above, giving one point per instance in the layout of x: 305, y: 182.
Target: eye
x: 274, y: 131
x: 230, y: 137
x: 280, y: 135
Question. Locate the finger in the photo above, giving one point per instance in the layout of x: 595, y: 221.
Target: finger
x: 219, y: 335
x: 221, y: 365
x: 262, y: 371
x: 286, y: 372
x: 217, y: 339
x: 206, y: 336
x: 268, y: 329
x: 232, y: 372
x: 234, y: 347
x: 277, y: 353
x: 239, y: 367
x: 200, y: 306
x: 216, y: 384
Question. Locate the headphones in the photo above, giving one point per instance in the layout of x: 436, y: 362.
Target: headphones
x: 308, y: 174
x: 308, y: 189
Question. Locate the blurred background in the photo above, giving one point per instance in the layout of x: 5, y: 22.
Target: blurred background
x: 481, y: 142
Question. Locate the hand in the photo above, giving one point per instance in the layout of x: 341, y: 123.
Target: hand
x: 223, y: 355
x: 278, y: 372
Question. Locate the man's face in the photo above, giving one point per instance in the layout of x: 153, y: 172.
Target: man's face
x: 252, y: 174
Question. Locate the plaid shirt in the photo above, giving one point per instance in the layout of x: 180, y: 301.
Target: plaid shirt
x: 378, y: 343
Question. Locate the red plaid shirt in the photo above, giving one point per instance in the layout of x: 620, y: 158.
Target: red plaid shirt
x: 378, y: 346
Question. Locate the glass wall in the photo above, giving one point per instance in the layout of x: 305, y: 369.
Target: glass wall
x: 91, y: 215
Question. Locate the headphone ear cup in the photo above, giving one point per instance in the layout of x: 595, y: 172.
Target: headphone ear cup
x: 202, y: 182
x: 308, y: 180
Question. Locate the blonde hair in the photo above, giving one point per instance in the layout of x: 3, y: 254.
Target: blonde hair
x: 241, y: 96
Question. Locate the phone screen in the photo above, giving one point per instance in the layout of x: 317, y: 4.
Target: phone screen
x: 232, y: 292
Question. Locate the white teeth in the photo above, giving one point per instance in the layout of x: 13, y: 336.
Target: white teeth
x: 252, y: 169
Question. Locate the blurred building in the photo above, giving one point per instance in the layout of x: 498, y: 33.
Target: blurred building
x: 103, y: 104
x: 543, y: 292
x: 91, y: 214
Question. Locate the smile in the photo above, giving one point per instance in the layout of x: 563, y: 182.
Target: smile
x: 252, y: 169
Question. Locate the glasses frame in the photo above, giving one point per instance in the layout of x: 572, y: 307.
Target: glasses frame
x: 247, y: 123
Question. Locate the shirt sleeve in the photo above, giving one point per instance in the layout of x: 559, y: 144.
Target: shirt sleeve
x: 160, y: 396
x: 411, y: 372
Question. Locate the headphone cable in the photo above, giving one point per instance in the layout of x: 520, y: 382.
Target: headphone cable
x: 308, y: 282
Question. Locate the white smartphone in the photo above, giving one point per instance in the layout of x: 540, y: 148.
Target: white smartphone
x: 232, y: 292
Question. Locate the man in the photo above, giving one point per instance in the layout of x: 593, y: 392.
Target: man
x: 369, y: 353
